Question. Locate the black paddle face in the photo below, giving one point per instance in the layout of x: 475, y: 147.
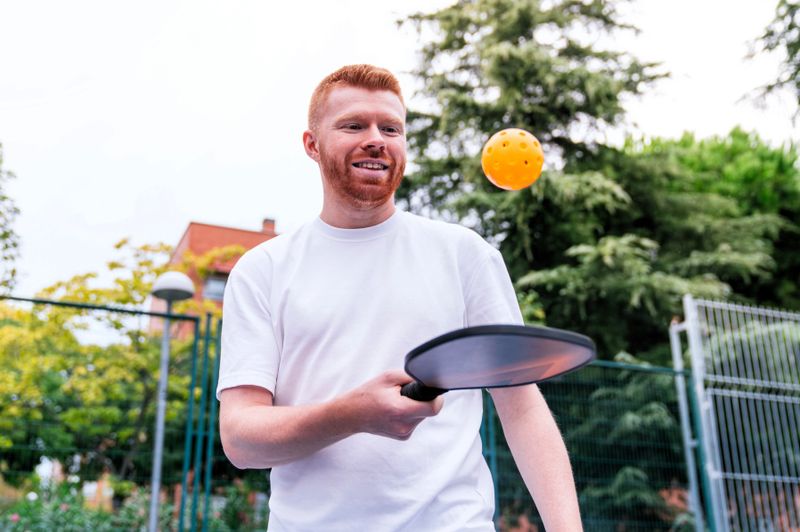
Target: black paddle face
x: 493, y: 356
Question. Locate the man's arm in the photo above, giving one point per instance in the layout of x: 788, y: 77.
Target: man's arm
x: 540, y: 455
x: 255, y: 434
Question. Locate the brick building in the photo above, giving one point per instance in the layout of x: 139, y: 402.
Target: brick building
x: 200, y: 238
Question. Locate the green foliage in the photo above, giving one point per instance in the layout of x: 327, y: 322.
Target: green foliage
x: 91, y: 404
x: 60, y: 396
x: 761, y: 185
x: 502, y: 63
x: 9, y: 241
x: 608, y: 243
x: 64, y: 509
x: 783, y: 34
x: 135, y: 511
x: 58, y: 513
x: 616, y: 273
x: 238, y: 513
x: 134, y: 271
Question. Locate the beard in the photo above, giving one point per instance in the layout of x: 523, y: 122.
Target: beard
x: 362, y: 193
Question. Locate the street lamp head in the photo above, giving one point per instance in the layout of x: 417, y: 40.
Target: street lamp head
x: 173, y: 286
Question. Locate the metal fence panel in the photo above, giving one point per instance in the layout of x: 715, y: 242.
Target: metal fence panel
x: 746, y: 377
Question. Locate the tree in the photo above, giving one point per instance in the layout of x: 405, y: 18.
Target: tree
x: 9, y: 241
x: 761, y: 180
x: 610, y: 238
x: 783, y: 34
x: 674, y: 235
x: 67, y: 393
x: 60, y: 396
x: 501, y: 63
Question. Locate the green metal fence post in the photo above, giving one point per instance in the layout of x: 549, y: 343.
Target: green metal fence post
x: 492, y: 432
x: 198, y: 449
x: 701, y: 457
x: 187, y: 448
x: 212, y: 424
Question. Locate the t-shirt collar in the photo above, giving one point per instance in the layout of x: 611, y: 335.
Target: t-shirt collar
x: 360, y: 234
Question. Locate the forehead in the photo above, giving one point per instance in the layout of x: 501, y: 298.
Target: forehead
x: 346, y: 101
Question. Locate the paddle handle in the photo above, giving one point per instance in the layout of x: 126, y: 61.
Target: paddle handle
x: 419, y: 392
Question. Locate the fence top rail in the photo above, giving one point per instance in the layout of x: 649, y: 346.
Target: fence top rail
x: 89, y: 306
x: 636, y: 367
x: 736, y: 307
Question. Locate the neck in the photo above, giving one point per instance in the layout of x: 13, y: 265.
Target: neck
x: 344, y: 216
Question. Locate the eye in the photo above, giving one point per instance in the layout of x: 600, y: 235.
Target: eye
x: 392, y: 130
x: 352, y: 126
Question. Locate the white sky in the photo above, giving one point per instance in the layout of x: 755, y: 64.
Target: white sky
x: 134, y: 119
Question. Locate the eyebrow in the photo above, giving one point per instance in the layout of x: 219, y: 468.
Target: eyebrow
x: 361, y: 116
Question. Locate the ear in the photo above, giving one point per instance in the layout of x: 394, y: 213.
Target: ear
x: 310, y: 144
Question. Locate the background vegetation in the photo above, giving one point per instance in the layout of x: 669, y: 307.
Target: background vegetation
x: 605, y: 243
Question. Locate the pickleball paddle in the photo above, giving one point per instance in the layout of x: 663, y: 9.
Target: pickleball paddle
x: 493, y: 356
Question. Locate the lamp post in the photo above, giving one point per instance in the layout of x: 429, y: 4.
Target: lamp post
x: 170, y: 286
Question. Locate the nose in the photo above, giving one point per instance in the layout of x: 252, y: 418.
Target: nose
x: 373, y: 139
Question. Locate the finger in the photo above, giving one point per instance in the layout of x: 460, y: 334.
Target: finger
x: 420, y: 410
x: 397, y: 377
x: 437, y: 404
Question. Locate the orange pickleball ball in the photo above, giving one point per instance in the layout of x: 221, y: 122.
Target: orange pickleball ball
x: 512, y: 159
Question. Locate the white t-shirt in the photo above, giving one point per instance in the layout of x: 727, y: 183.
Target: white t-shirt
x: 312, y: 314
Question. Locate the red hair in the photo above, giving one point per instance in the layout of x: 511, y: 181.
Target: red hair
x: 361, y: 76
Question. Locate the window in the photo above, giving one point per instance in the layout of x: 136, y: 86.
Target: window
x: 214, y: 288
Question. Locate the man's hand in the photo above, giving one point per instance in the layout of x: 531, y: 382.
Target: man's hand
x: 383, y: 411
x: 256, y: 434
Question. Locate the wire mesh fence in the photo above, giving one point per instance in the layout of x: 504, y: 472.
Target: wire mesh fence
x: 77, y: 409
x: 621, y: 426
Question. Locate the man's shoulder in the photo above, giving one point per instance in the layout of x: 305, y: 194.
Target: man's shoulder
x: 271, y: 251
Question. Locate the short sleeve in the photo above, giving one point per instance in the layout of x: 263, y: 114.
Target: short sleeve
x: 489, y: 296
x: 250, y: 355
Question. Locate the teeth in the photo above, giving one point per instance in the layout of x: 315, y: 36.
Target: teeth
x: 371, y: 166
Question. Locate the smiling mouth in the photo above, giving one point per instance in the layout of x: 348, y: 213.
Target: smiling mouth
x: 371, y: 166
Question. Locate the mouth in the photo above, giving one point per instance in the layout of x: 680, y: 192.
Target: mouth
x: 371, y: 165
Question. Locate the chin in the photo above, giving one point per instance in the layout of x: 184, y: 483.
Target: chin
x: 366, y: 195
x: 368, y: 199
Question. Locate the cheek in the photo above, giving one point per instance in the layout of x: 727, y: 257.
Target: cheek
x: 398, y: 150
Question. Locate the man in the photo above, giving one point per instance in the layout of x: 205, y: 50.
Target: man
x: 316, y: 325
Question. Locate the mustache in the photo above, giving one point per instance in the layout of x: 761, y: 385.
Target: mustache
x: 377, y: 155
